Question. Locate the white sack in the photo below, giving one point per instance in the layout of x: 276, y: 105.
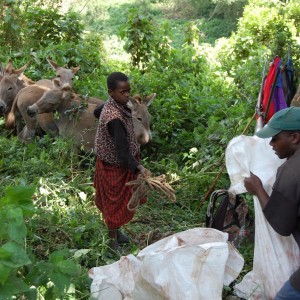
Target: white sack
x: 275, y: 257
x: 193, y: 264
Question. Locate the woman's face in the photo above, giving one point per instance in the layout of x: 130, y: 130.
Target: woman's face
x: 121, y: 93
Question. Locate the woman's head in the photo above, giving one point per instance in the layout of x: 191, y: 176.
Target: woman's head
x: 118, y: 87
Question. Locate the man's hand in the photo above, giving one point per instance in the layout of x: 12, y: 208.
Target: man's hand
x: 253, y: 184
x: 143, y: 171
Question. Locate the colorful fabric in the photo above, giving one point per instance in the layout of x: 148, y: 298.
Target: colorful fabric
x: 277, y: 101
x: 278, y: 96
x: 290, y: 81
x: 105, y: 147
x: 112, y: 195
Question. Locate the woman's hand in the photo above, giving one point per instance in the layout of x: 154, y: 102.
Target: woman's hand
x: 143, y: 171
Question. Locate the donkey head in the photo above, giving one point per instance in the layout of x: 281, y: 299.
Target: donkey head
x: 11, y: 83
x: 141, y: 117
x: 51, y: 100
x: 63, y: 74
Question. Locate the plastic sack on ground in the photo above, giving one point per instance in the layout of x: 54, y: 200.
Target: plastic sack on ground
x: 192, y: 264
x: 275, y: 257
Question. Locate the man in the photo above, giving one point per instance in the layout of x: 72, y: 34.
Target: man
x: 282, y: 207
x: 117, y: 159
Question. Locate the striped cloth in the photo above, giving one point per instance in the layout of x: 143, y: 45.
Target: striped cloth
x: 112, y: 195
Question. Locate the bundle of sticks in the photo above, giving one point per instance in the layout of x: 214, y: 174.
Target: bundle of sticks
x: 143, y: 185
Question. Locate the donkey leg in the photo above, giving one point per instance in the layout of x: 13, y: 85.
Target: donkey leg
x: 47, y: 123
x: 27, y: 134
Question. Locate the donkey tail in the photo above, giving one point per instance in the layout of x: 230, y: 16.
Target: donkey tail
x: 11, y: 118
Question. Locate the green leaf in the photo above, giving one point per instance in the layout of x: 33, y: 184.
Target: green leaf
x: 16, y: 228
x: 18, y: 257
x: 60, y: 281
x: 39, y: 274
x: 67, y: 267
x: 57, y: 256
x: 13, y: 286
x: 81, y: 252
x: 7, y: 18
x: 19, y: 196
x: 4, y: 254
x: 4, y: 273
x: 32, y: 294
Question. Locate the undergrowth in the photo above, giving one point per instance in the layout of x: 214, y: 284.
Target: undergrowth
x: 51, y: 233
x: 65, y: 235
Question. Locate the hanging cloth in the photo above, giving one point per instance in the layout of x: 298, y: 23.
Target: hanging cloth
x: 290, y: 81
x: 273, y: 96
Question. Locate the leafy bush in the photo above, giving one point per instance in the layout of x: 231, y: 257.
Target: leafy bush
x: 139, y: 35
x: 89, y: 54
x: 20, y: 273
x: 265, y: 26
x: 46, y: 26
x: 10, y: 24
x: 51, y: 217
x: 43, y: 25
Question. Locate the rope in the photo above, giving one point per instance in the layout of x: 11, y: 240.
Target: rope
x: 143, y: 185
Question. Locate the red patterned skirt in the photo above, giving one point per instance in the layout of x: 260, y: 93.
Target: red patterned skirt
x: 112, y: 195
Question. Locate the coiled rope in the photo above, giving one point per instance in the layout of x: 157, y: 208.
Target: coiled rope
x: 143, y: 185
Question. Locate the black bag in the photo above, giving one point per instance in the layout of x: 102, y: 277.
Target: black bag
x: 229, y: 213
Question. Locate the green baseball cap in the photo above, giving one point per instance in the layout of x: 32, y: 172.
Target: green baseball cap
x: 285, y: 119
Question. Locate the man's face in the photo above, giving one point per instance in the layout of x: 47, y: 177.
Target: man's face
x: 284, y: 143
x: 121, y: 93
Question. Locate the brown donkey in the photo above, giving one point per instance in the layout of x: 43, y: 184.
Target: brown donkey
x: 31, y: 94
x: 12, y: 81
x: 76, y: 119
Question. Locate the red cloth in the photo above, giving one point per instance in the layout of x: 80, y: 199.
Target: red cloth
x: 112, y: 195
x: 267, y: 89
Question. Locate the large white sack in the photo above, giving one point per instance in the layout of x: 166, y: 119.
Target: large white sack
x: 275, y: 257
x: 193, y: 264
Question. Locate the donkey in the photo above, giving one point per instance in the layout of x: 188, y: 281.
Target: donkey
x: 82, y: 125
x: 11, y: 83
x: 1, y: 76
x: 29, y: 95
x: 64, y: 75
x: 1, y: 71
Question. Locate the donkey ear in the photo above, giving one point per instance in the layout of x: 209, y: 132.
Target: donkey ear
x: 1, y: 71
x: 53, y: 64
x: 56, y: 83
x: 9, y: 69
x: 75, y: 70
x: 129, y: 104
x: 21, y: 70
x: 137, y: 99
x: 133, y: 102
x: 148, y: 100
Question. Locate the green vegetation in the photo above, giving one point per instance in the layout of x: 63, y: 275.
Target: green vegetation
x: 206, y: 93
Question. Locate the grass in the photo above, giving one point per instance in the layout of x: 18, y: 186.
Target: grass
x: 108, y: 18
x: 67, y: 217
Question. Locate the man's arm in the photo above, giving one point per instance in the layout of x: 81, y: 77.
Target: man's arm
x: 280, y: 211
